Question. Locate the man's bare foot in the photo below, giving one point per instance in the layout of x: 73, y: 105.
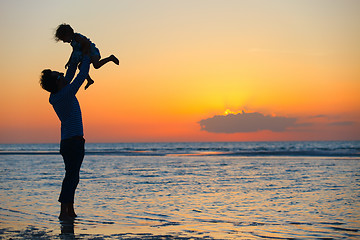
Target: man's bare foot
x: 114, y: 59
x: 67, y: 212
x: 65, y: 217
x: 73, y: 215
x: 89, y: 82
x: 71, y: 210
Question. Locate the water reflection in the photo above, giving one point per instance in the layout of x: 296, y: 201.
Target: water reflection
x: 67, y: 229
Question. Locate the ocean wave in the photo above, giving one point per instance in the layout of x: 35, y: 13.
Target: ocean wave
x: 293, y: 149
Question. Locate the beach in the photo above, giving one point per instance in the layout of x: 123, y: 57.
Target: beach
x: 279, y: 190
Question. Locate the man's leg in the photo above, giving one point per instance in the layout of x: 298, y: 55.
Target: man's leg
x: 63, y: 212
x: 72, y: 151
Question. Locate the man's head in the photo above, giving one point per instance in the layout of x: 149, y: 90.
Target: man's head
x: 52, y: 81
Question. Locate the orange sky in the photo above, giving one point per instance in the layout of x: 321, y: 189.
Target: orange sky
x: 186, y: 61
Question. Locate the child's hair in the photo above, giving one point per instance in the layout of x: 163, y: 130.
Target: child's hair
x: 47, y: 81
x: 63, y: 30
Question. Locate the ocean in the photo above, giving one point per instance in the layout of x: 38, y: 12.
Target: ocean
x: 217, y: 190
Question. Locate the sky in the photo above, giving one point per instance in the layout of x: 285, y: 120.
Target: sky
x: 190, y: 70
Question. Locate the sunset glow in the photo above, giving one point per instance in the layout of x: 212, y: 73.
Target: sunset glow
x: 182, y: 62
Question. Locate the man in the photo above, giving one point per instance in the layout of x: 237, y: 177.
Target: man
x: 62, y: 98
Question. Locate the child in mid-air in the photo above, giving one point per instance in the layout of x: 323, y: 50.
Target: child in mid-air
x: 81, y: 44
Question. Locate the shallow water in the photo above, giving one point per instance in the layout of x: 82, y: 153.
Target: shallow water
x: 211, y: 196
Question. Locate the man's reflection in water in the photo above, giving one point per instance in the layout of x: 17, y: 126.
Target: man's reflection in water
x: 67, y: 229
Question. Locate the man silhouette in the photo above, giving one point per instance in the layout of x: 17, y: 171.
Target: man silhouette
x: 62, y: 98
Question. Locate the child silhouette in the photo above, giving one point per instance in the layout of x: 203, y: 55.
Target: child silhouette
x: 81, y: 45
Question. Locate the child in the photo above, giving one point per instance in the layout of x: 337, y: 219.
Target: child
x: 80, y: 45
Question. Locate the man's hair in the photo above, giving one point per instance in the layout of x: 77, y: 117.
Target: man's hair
x: 63, y: 30
x: 48, y: 81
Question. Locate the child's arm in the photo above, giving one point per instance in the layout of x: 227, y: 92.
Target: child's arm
x: 84, y: 42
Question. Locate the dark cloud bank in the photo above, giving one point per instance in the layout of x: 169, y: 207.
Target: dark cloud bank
x: 246, y: 122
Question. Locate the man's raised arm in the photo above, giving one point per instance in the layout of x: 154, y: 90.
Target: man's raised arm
x: 70, y: 72
x: 82, y: 75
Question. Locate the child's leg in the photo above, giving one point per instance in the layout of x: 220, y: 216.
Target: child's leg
x: 88, y: 78
x: 89, y: 82
x: 98, y: 63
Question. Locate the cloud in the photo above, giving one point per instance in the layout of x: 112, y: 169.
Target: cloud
x: 319, y: 116
x: 344, y: 123
x: 246, y: 122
